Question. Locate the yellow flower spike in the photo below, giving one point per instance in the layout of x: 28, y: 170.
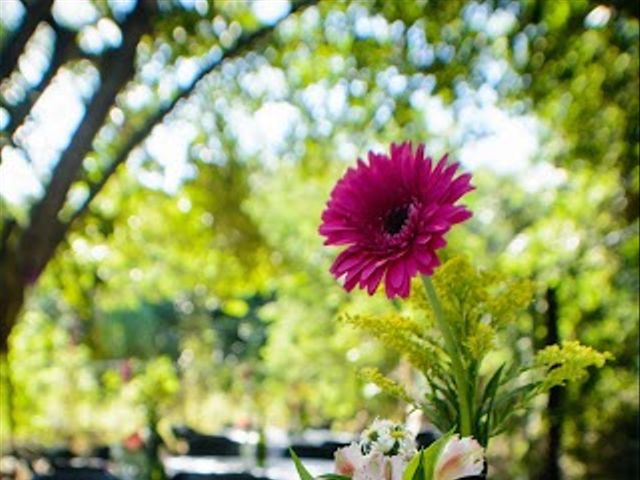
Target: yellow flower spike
x: 385, y: 384
x: 568, y: 362
x: 399, y: 333
x: 481, y: 340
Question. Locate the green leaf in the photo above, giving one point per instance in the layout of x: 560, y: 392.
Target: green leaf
x: 334, y: 476
x: 491, y: 389
x: 447, y: 391
x: 302, y: 472
x: 431, y: 454
x: 431, y: 412
x: 486, y: 405
x: 507, y: 397
x: 414, y: 469
x: 445, y: 410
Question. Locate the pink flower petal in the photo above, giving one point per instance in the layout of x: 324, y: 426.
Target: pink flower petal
x: 392, y: 212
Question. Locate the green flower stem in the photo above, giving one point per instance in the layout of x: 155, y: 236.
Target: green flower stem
x: 454, y: 353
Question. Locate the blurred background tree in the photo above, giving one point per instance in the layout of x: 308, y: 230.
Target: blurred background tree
x: 164, y: 166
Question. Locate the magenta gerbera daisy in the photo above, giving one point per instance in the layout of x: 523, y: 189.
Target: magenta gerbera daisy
x: 393, y: 214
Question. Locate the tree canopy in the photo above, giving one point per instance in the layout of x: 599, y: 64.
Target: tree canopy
x: 163, y: 169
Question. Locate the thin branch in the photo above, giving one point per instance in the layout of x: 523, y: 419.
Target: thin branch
x: 65, y: 49
x: 243, y: 44
x: 14, y: 45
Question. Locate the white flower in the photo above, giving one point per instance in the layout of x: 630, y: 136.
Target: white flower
x: 383, y: 453
x: 406, y: 441
x: 385, y: 442
x: 372, y: 468
x: 388, y: 438
x: 459, y: 458
x: 381, y: 467
x: 398, y: 465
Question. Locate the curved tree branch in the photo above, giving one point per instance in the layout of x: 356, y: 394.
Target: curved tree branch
x: 38, y: 242
x: 116, y: 69
x: 243, y: 44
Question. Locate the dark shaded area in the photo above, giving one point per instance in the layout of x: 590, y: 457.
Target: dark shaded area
x: 208, y: 445
x: 210, y: 476
x: 424, y: 439
x: 83, y: 473
x: 323, y: 451
x: 556, y: 399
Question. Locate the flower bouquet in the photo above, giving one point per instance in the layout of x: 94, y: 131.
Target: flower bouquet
x: 392, y: 214
x: 387, y: 451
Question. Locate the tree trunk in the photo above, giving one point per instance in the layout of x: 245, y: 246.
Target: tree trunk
x: 552, y: 469
x: 12, y: 287
x: 22, y: 263
x: 23, y: 259
x: 6, y: 396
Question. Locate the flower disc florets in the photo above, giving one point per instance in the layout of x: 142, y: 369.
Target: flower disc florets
x: 388, y: 438
x: 393, y: 213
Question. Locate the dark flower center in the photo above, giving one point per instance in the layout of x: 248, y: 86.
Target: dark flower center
x: 395, y: 219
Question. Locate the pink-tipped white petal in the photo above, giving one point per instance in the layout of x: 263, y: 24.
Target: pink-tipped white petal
x: 348, y: 460
x: 459, y: 458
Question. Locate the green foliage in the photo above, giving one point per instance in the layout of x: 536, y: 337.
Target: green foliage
x: 387, y: 385
x: 414, y: 469
x: 302, y: 471
x: 45, y: 363
x: 158, y: 382
x: 401, y: 334
x: 477, y: 305
x: 568, y: 363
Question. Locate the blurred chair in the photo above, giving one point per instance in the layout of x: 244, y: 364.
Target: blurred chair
x: 58, y: 457
x: 102, y: 452
x: 183, y: 432
x: 334, y: 445
x: 214, y: 445
x: 206, y: 445
x: 323, y: 451
x: 83, y: 473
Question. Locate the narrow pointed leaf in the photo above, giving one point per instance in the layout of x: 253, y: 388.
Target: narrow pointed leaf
x: 414, y: 468
x: 302, y: 471
x: 430, y: 455
x: 492, y: 386
x: 486, y: 406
